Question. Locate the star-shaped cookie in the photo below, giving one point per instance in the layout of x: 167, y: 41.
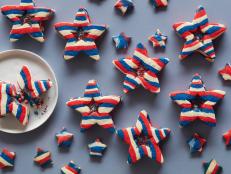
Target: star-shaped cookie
x: 212, y: 167
x: 143, y: 139
x: 227, y: 137
x: 199, y: 35
x: 121, y: 41
x: 97, y: 148
x: 197, y: 103
x: 124, y: 5
x: 27, y: 19
x: 158, y: 39
x: 140, y: 69
x: 226, y: 72
x: 94, y: 107
x: 80, y: 35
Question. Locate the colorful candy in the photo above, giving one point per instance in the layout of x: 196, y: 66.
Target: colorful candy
x: 64, y: 138
x: 124, y: 6
x: 226, y: 72
x: 95, y: 108
x: 71, y: 168
x: 28, y: 19
x: 7, y: 159
x: 227, y: 137
x: 141, y: 70
x: 160, y: 3
x: 196, y: 143
x: 158, y: 39
x: 97, y: 148
x: 43, y: 158
x: 212, y: 167
x: 80, y: 35
x: 202, y: 42
x: 121, y: 41
x: 197, y: 103
x: 143, y: 139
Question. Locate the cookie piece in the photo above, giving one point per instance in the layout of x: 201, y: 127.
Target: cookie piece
x: 121, y: 41
x: 43, y: 158
x: 80, y: 35
x: 96, y: 148
x: 124, y: 6
x: 64, y: 138
x: 159, y: 3
x: 143, y: 139
x: 227, y: 137
x: 197, y: 103
x: 199, y: 35
x: 141, y: 70
x: 226, y: 72
x: 7, y: 159
x: 212, y: 167
x: 71, y: 168
x: 26, y: 18
x: 158, y: 39
x: 196, y: 143
x: 94, y: 107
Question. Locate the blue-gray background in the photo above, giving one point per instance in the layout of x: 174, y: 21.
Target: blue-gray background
x: 73, y: 75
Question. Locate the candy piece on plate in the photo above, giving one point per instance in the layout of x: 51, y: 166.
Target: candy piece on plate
x: 140, y: 69
x: 212, y: 167
x: 227, y: 137
x: 64, y: 138
x: 158, y: 39
x: 28, y: 19
x: 96, y: 148
x: 199, y: 35
x: 124, y: 6
x: 143, y: 139
x: 70, y: 168
x: 226, y: 72
x: 7, y: 158
x: 159, y: 3
x: 94, y: 107
x: 43, y: 158
x: 80, y: 35
x: 121, y: 41
x: 196, y: 143
x: 197, y: 103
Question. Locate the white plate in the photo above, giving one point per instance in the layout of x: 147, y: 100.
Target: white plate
x: 11, y: 62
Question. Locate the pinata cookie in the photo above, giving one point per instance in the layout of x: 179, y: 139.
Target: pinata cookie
x: 140, y: 69
x: 96, y: 148
x: 121, y: 41
x: 124, y: 6
x: 7, y: 159
x: 80, y: 35
x: 199, y: 35
x: 197, y: 103
x: 143, y: 139
x: 43, y: 158
x: 28, y: 19
x: 94, y: 107
x: 226, y: 72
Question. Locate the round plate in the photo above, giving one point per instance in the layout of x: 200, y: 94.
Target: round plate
x: 11, y: 62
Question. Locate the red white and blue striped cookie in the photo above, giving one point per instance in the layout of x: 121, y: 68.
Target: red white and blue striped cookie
x: 121, y: 41
x: 124, y: 5
x: 202, y: 42
x: 97, y: 148
x: 196, y: 143
x: 94, y: 107
x: 43, y: 158
x: 71, y: 168
x: 158, y: 39
x: 80, y: 35
x: 7, y: 158
x: 226, y: 72
x: 64, y: 138
x: 197, y: 103
x: 159, y: 3
x: 141, y: 70
x: 212, y: 167
x: 26, y: 18
x: 227, y: 137
x: 143, y: 139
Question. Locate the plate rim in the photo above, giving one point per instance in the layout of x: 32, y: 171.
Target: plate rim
x: 55, y: 80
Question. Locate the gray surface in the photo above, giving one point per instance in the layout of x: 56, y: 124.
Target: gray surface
x: 72, y: 77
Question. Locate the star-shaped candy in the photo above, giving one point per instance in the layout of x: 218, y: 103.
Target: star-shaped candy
x: 64, y: 138
x: 159, y: 3
x: 143, y: 139
x: 199, y: 35
x: 158, y: 39
x: 27, y: 19
x: 94, y: 107
x: 196, y: 143
x: 43, y: 158
x: 7, y: 159
x: 212, y: 167
x: 140, y: 69
x: 124, y: 5
x: 71, y: 168
x: 97, y: 148
x: 227, y: 137
x: 121, y: 41
x: 80, y: 35
x: 197, y: 102
x: 226, y: 72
